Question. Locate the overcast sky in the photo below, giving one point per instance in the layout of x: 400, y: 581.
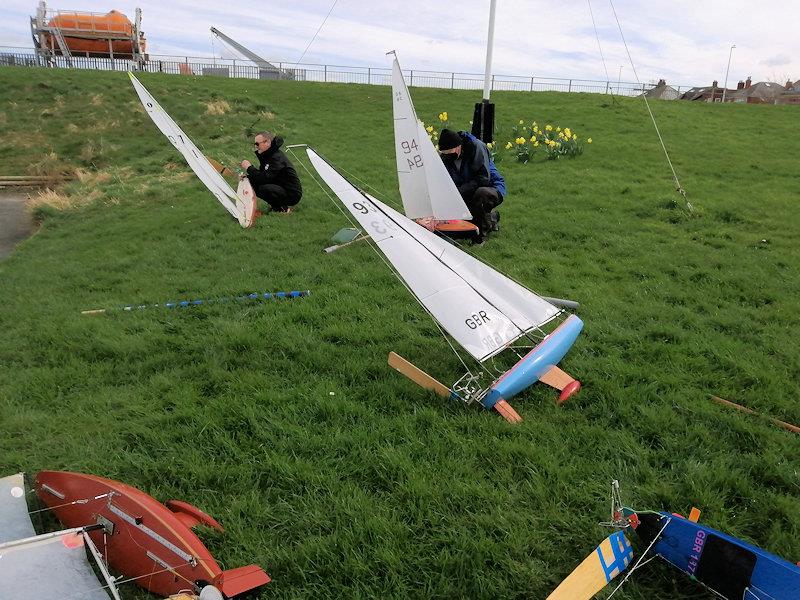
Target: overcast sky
x: 684, y: 41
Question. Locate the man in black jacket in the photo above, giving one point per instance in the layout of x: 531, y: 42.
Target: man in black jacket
x: 275, y: 179
x: 480, y: 184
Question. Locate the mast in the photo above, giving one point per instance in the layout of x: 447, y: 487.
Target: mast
x: 483, y: 118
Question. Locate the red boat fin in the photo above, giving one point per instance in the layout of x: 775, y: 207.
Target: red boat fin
x: 238, y: 581
x: 562, y: 381
x: 191, y: 515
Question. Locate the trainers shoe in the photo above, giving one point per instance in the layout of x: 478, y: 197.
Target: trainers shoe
x: 494, y: 216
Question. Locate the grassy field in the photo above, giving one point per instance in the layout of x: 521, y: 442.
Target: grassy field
x: 283, y: 420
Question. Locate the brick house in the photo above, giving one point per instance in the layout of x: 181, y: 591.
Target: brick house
x: 712, y: 93
x: 763, y: 92
x: 791, y: 93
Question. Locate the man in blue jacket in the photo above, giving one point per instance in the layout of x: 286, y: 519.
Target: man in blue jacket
x: 478, y: 181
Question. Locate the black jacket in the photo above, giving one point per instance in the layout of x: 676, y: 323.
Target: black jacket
x: 276, y: 169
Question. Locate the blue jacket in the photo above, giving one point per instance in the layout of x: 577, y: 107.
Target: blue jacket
x: 476, y: 165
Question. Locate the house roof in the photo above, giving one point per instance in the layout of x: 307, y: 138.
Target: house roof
x: 765, y: 90
x: 662, y: 92
x: 696, y: 93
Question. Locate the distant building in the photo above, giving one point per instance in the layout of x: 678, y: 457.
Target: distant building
x: 712, y: 93
x: 790, y: 94
x: 763, y: 92
x: 662, y: 91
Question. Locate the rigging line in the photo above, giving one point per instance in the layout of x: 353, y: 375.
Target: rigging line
x: 599, y: 47
x: 316, y: 33
x: 679, y: 188
x: 373, y: 245
x: 637, y: 565
x: 522, y: 332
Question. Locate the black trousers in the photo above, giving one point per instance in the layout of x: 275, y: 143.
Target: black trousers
x: 275, y: 196
x: 480, y: 201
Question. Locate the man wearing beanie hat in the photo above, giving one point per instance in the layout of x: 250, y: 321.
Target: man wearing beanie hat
x: 478, y: 181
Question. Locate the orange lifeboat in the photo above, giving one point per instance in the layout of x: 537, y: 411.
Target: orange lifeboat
x: 92, y: 32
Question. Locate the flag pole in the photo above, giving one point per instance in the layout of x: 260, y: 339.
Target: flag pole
x: 483, y: 118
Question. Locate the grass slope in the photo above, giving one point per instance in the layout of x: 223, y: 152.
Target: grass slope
x: 283, y: 420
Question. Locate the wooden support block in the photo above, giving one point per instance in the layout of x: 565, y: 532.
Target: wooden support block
x: 417, y: 375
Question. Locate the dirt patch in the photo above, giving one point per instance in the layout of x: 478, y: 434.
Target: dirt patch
x: 15, y: 221
x: 217, y: 107
x: 58, y: 201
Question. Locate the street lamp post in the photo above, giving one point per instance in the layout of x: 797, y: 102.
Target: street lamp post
x: 725, y: 85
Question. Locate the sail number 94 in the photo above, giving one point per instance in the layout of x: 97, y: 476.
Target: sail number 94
x: 409, y: 148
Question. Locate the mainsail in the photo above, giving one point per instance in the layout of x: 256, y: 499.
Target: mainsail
x: 425, y: 186
x: 483, y: 310
x: 241, y: 204
x: 52, y: 565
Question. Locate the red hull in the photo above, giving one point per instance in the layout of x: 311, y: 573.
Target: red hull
x: 149, y: 540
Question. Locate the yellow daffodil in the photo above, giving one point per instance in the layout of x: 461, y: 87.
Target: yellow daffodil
x: 589, y: 141
x: 520, y: 140
x: 509, y: 145
x: 548, y: 128
x: 521, y: 121
x: 490, y: 145
x: 429, y: 129
x: 533, y: 138
x: 558, y: 128
x: 567, y: 131
x: 536, y: 144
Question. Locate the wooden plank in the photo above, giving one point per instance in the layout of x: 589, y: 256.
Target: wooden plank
x: 597, y: 570
x: 739, y: 407
x: 417, y: 375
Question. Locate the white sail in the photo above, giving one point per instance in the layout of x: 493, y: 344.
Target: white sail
x: 425, y: 186
x: 14, y: 521
x: 237, y: 206
x: 448, y: 284
x: 52, y: 565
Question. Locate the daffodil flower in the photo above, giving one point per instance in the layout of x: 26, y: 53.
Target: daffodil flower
x: 509, y: 145
x: 589, y: 141
x: 429, y: 129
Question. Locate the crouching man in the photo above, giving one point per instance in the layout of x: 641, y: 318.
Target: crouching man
x: 476, y: 177
x: 275, y: 179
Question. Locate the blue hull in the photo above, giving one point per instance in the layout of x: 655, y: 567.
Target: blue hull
x: 727, y: 565
x: 536, y: 363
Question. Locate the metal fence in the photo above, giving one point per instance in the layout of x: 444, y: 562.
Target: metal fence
x: 218, y: 67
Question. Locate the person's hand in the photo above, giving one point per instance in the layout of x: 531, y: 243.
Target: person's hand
x: 246, y: 164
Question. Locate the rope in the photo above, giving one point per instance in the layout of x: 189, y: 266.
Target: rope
x: 636, y: 564
x: 316, y: 33
x: 597, y: 37
x: 679, y: 188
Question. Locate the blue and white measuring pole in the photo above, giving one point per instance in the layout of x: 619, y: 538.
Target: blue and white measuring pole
x: 199, y: 301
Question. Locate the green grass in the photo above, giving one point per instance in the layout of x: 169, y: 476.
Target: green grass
x: 283, y: 421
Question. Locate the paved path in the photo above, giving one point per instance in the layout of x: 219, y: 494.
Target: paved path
x: 15, y: 222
